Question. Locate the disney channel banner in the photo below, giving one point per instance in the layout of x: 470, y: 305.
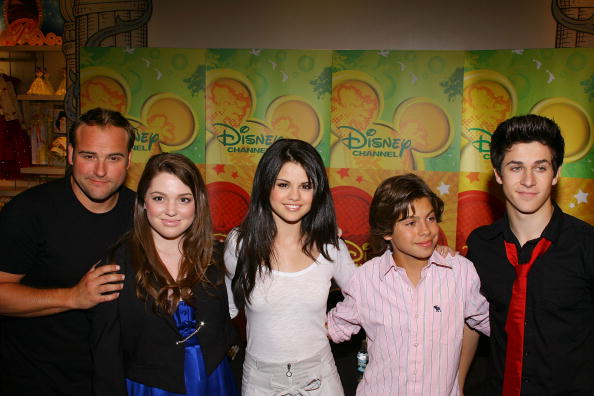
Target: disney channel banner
x: 370, y: 114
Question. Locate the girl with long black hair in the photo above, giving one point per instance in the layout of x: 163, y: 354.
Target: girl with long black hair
x: 281, y: 260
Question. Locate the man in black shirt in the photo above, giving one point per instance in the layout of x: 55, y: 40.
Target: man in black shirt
x: 50, y: 238
x: 536, y: 266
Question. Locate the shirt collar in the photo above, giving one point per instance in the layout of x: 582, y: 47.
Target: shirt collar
x: 551, y: 231
x: 387, y: 263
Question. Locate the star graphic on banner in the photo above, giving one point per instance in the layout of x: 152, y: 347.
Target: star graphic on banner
x: 285, y: 76
x: 571, y: 205
x: 444, y: 188
x: 473, y: 176
x: 219, y: 168
x: 582, y: 197
x: 343, y: 172
x: 551, y: 77
x: 234, y: 175
x: 359, y: 179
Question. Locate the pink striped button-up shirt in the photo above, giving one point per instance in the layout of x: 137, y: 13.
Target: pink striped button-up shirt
x: 414, y: 333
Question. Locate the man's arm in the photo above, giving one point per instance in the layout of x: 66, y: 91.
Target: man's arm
x: 25, y: 301
x: 470, y: 339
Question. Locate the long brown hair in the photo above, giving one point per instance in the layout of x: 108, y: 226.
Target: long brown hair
x: 152, y: 278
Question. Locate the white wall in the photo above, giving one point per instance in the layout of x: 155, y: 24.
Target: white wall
x: 352, y: 24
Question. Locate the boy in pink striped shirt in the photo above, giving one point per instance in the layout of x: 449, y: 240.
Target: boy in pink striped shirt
x: 411, y: 301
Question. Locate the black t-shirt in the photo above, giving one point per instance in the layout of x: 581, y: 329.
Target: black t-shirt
x: 48, y: 235
x: 559, y: 328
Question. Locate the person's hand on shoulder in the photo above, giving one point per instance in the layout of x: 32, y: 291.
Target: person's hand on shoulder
x: 99, y: 284
x: 445, y: 250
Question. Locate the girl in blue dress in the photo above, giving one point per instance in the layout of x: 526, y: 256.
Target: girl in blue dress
x: 169, y: 330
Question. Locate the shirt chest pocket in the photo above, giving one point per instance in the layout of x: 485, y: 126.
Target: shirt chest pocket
x: 564, y: 297
x: 444, y: 320
x: 561, y: 288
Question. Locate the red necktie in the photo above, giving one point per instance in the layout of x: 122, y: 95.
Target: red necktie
x: 514, y: 325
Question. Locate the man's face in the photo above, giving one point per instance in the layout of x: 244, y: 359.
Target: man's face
x: 527, y: 177
x: 99, y: 163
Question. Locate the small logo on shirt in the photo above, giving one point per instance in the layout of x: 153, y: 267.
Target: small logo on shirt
x: 436, y: 308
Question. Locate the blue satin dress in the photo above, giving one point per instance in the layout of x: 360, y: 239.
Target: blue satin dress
x: 219, y: 383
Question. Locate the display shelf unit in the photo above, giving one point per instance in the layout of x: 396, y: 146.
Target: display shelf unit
x: 30, y: 48
x: 50, y: 98
x: 41, y: 170
x: 20, y: 62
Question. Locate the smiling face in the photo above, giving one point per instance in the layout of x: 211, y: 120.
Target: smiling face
x: 170, y: 206
x: 99, y: 163
x: 292, y: 194
x: 413, y: 238
x: 527, y: 178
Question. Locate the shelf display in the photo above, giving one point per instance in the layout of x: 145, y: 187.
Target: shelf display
x: 15, y: 146
x: 32, y: 135
x: 40, y: 86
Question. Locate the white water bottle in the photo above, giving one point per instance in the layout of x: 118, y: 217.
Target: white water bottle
x: 362, y: 359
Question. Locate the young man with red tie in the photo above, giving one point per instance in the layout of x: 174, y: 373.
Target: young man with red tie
x: 536, y: 266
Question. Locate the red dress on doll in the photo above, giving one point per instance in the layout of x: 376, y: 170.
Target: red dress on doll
x: 15, y: 146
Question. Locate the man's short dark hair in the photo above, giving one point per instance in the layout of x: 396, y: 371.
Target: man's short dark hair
x: 527, y: 129
x: 103, y: 118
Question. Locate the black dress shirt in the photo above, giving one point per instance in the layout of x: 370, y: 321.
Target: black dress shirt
x: 559, y: 327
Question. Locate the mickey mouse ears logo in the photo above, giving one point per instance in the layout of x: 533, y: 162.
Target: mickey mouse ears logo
x: 490, y: 98
x: 230, y: 106
x: 166, y: 121
x: 418, y: 127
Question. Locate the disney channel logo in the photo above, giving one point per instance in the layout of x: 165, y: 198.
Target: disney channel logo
x: 483, y: 143
x: 231, y: 137
x: 362, y: 143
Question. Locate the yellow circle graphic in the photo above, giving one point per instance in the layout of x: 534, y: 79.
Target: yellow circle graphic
x: 574, y: 122
x: 103, y: 91
x: 229, y: 99
x: 489, y: 99
x: 172, y: 118
x: 293, y: 117
x: 356, y: 101
x: 425, y: 123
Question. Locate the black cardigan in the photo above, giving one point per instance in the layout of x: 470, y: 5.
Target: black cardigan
x: 129, y: 340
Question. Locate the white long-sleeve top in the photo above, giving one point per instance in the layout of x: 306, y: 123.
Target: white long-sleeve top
x: 287, y: 313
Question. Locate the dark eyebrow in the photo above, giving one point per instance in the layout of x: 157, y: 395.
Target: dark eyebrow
x: 95, y: 153
x: 542, y: 161
x: 415, y: 216
x: 162, y: 193
x: 539, y: 162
